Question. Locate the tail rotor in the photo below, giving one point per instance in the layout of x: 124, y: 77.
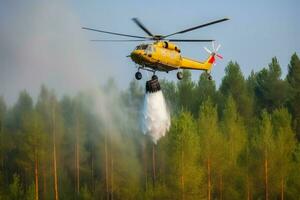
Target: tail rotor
x: 214, y: 51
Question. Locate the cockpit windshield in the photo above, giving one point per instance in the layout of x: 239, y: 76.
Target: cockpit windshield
x: 142, y: 47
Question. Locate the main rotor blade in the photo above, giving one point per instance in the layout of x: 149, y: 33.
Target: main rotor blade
x: 192, y: 40
x: 113, y: 33
x: 137, y: 21
x: 197, y: 27
x: 118, y: 40
x: 218, y: 47
x: 207, y: 50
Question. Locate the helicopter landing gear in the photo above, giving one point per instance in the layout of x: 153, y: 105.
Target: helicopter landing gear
x: 179, y: 75
x: 209, y: 77
x: 138, y: 75
x: 154, y: 77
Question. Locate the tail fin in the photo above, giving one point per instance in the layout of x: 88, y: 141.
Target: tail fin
x: 210, y: 61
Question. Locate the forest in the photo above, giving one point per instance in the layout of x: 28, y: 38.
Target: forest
x: 237, y: 141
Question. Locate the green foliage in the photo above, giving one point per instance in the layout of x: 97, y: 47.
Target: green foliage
x: 271, y: 92
x: 30, y: 193
x: 293, y: 79
x: 185, y: 174
x: 185, y: 91
x: 15, y: 188
x: 224, y: 139
x: 234, y: 84
x: 85, y: 194
x: 204, y: 90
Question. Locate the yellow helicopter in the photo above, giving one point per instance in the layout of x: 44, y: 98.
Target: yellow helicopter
x: 162, y: 54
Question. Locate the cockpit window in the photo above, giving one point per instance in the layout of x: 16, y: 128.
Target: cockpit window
x: 149, y: 49
x: 142, y: 47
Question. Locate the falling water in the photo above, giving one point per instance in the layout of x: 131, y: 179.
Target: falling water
x: 156, y: 117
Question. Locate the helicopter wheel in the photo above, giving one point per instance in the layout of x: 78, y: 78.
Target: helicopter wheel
x: 138, y: 75
x: 209, y: 77
x: 179, y: 75
x: 154, y: 77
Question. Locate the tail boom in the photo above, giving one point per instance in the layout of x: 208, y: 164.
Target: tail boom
x: 187, y: 63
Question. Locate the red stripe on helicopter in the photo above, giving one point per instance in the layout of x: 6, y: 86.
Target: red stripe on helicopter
x: 211, y: 60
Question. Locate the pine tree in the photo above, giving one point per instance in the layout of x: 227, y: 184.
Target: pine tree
x: 185, y: 175
x: 270, y: 90
x: 186, y: 91
x: 203, y: 90
x: 34, y: 140
x: 234, y: 84
x: 2, y: 136
x: 285, y: 145
x: 210, y: 142
x: 293, y: 79
x: 265, y: 147
x: 235, y: 133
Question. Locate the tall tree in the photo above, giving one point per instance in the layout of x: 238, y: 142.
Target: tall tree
x: 235, y: 133
x: 186, y: 91
x: 265, y: 148
x: 21, y: 111
x: 203, y: 90
x: 186, y: 175
x: 210, y: 141
x: 50, y: 111
x: 293, y: 79
x: 271, y: 90
x: 34, y: 140
x: 2, y: 139
x: 170, y: 93
x: 285, y: 145
x: 234, y: 84
x: 43, y: 107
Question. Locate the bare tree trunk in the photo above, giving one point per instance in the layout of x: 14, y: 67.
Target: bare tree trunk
x: 77, y: 165
x: 44, y: 183
x: 248, y: 181
x: 145, y: 164
x: 221, y: 186
x: 266, y: 175
x: 282, y: 189
x: 111, y: 169
x: 54, y: 154
x: 106, y: 167
x: 248, y: 188
x: 153, y: 165
x: 112, y: 178
x: 182, y: 174
x: 208, y: 179
x: 36, y: 175
x: 92, y: 171
x: 75, y: 168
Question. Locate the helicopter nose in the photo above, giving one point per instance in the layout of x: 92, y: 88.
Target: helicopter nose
x: 134, y: 54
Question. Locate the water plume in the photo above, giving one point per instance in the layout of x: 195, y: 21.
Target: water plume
x: 156, y: 117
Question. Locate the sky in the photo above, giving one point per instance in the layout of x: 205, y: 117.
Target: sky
x: 42, y: 41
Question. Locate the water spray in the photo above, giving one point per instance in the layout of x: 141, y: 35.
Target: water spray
x: 156, y: 117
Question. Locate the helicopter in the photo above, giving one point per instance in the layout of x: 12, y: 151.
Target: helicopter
x: 161, y: 54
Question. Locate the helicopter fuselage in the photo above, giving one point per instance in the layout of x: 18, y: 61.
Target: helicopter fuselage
x: 166, y: 56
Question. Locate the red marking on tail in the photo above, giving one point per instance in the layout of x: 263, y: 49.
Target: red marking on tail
x: 211, y: 60
x: 219, y: 56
